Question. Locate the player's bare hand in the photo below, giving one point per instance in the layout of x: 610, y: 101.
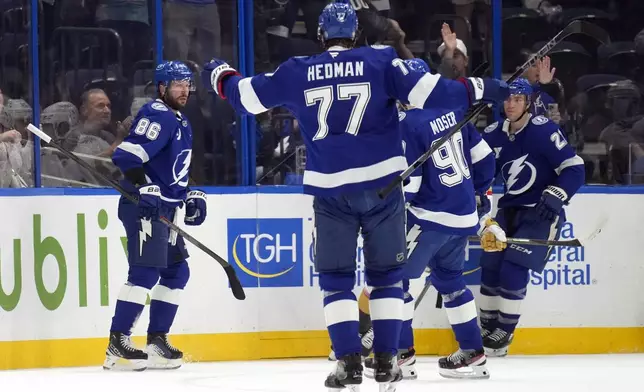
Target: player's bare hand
x: 546, y: 74
x: 448, y: 37
x: 11, y: 136
x: 493, y: 237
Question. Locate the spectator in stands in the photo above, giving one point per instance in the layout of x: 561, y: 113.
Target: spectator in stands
x: 465, y: 9
x: 453, y: 53
x: 131, y: 20
x: 95, y: 120
x: 541, y: 76
x: 191, y: 30
x: 56, y: 121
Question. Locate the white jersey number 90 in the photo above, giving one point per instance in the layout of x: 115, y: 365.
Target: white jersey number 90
x: 451, y: 156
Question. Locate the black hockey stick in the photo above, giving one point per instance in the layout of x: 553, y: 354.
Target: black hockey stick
x: 235, y: 285
x: 574, y: 27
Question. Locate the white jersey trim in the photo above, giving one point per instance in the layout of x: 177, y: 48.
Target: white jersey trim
x: 480, y: 151
x: 446, y: 218
x: 574, y: 161
x: 423, y: 89
x: 249, y: 98
x: 355, y: 175
x: 414, y: 184
x: 135, y: 149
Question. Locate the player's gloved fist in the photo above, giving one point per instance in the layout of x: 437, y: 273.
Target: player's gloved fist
x: 551, y: 203
x: 213, y: 74
x: 489, y: 90
x: 493, y: 237
x: 195, y: 208
x: 149, y: 201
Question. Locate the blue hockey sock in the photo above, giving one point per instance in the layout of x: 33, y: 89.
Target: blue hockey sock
x: 407, y: 332
x: 514, y: 283
x: 386, y: 304
x: 489, y: 301
x: 342, y: 321
x: 461, y: 313
x: 129, y: 305
x: 163, y: 308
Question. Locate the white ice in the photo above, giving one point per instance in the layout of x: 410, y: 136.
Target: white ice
x: 579, y: 373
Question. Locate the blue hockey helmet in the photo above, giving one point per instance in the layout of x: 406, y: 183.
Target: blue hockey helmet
x: 169, y: 71
x: 417, y: 65
x: 338, y: 20
x: 521, y: 86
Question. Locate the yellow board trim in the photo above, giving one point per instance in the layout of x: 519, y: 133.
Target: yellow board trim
x: 29, y: 354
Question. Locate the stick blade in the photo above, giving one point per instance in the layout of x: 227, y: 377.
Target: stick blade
x: 594, y: 31
x: 599, y: 226
x: 235, y: 284
x: 36, y: 131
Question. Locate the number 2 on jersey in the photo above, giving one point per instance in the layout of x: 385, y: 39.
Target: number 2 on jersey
x: 451, y: 156
x: 324, y: 96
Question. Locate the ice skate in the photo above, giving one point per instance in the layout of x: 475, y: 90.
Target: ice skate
x: 468, y: 364
x: 161, y: 354
x: 347, y: 374
x: 497, y: 343
x: 386, y: 372
x: 122, y: 355
x: 406, y: 362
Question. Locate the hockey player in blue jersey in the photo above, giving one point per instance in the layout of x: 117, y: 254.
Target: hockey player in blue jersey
x: 541, y: 173
x: 155, y: 160
x: 442, y: 212
x: 345, y: 102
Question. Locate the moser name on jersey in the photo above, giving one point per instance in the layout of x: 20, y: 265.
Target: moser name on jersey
x: 443, y: 123
x: 335, y: 70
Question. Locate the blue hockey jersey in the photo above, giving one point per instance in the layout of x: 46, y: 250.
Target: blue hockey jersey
x: 533, y: 158
x: 441, y: 192
x: 345, y: 103
x: 161, y: 142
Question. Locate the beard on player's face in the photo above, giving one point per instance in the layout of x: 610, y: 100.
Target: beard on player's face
x: 176, y: 96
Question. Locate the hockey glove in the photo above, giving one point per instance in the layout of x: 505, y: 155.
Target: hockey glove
x: 493, y: 237
x: 195, y: 208
x: 488, y: 90
x: 214, y: 73
x: 149, y: 201
x: 551, y: 203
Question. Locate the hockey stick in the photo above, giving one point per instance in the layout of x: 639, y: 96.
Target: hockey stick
x: 235, y: 285
x: 575, y: 242
x: 574, y: 27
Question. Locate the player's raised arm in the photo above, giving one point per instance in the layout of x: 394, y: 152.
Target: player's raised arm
x: 427, y: 90
x: 250, y: 95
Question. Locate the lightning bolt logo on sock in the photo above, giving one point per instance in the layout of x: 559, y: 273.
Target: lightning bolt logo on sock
x: 144, y: 233
x: 412, y: 239
x: 512, y: 173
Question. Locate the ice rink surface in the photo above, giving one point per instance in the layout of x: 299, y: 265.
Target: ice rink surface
x: 579, y: 373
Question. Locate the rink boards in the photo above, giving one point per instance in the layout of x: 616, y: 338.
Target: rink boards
x: 63, y: 261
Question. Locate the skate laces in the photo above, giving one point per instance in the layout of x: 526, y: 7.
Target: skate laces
x: 168, y: 345
x: 497, y: 335
x: 456, y: 357
x: 126, y: 342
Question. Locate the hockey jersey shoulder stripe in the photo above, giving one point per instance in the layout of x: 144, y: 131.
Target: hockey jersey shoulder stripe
x: 249, y: 98
x: 355, y: 175
x: 574, y: 161
x: 423, y: 89
x: 446, y: 218
x: 136, y: 150
x: 480, y: 151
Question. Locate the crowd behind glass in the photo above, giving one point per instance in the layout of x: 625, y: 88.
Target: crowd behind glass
x: 97, y: 57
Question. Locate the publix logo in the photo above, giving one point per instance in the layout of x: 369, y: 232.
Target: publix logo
x: 566, y: 265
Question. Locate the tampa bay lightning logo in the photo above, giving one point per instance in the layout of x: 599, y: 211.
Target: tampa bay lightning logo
x: 181, y: 167
x: 519, y: 175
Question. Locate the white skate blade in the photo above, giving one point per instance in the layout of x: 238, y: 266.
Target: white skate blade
x: 160, y: 363
x: 409, y: 372
x: 388, y: 386
x: 113, y: 362
x: 500, y: 352
x: 479, y: 372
